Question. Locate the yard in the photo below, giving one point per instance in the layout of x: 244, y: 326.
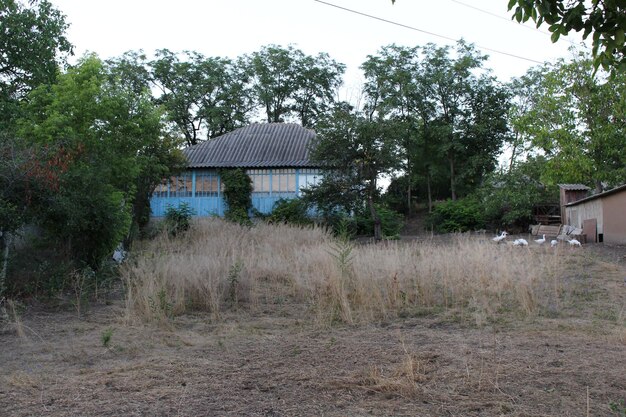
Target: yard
x: 346, y: 330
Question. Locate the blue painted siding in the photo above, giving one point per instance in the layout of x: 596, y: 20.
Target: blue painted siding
x: 211, y: 203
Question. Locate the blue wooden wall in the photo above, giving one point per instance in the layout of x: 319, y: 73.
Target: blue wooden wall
x: 187, y: 189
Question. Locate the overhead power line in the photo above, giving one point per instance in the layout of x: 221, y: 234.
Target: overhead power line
x: 508, y: 20
x: 425, y: 31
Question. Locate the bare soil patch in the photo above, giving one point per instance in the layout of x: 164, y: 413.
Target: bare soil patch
x: 274, y: 361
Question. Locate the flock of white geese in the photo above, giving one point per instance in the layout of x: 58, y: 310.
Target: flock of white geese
x: 524, y: 242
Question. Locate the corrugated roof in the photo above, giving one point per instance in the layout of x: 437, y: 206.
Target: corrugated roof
x: 599, y: 195
x: 574, y: 187
x: 256, y: 145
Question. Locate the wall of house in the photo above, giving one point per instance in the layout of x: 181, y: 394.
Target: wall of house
x: 588, y: 210
x: 202, y: 189
x: 614, y: 207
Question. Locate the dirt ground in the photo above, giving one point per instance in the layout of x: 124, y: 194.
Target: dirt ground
x: 277, y: 362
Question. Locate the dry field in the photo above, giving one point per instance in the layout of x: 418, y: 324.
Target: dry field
x: 279, y: 321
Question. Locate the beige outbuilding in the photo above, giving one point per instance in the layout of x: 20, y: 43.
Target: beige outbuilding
x: 602, y: 217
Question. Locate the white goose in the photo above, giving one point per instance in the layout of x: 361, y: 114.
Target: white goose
x: 520, y: 242
x: 574, y: 242
x: 500, y: 238
x: 553, y: 243
x: 542, y: 240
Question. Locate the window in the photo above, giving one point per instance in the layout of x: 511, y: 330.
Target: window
x: 207, y: 184
x: 161, y: 190
x: 309, y: 177
x: 283, y: 180
x: 260, y: 180
x: 180, y: 186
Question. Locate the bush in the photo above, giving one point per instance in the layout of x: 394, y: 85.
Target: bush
x: 457, y: 216
x: 509, y: 198
x: 290, y: 211
x: 177, y: 220
x: 391, y: 222
x: 237, y: 195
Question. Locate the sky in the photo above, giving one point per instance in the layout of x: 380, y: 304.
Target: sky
x: 231, y: 28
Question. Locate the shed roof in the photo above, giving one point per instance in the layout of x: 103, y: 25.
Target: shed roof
x: 256, y: 145
x: 574, y: 187
x: 599, y: 195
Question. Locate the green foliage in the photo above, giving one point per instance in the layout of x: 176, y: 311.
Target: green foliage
x: 341, y: 249
x: 391, y: 222
x: 618, y: 407
x: 234, y: 275
x: 237, y: 195
x: 104, y: 144
x: 160, y: 305
x: 457, y: 216
x: 204, y: 97
x: 288, y: 83
x: 604, y: 20
x: 178, y: 219
x: 106, y: 336
x: 508, y: 198
x: 358, y: 149
x: 290, y: 211
x: 577, y: 120
x: 33, y: 46
x: 449, y: 114
x: 396, y: 195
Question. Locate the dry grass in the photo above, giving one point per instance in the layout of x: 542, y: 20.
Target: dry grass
x: 10, y: 318
x: 219, y: 265
x: 258, y: 341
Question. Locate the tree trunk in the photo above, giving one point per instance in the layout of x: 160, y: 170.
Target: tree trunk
x: 6, y: 239
x: 452, y: 182
x: 513, y: 153
x: 430, y: 196
x: 598, y: 186
x: 408, y: 200
x: 378, y: 234
x: 408, y: 189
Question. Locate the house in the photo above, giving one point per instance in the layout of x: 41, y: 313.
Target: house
x: 274, y: 155
x: 602, y: 217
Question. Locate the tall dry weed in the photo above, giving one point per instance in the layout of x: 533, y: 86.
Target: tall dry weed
x: 218, y: 265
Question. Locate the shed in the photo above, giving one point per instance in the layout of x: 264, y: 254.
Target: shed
x: 601, y: 216
x: 570, y: 193
x: 274, y: 155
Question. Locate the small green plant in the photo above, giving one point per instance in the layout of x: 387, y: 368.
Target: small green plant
x: 233, y: 282
x: 618, y: 407
x: 105, y: 337
x: 341, y: 250
x: 178, y: 220
x: 160, y: 305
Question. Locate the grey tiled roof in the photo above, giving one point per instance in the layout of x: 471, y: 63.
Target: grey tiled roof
x: 256, y: 145
x: 621, y: 188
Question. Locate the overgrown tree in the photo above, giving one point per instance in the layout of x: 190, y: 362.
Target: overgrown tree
x: 356, y: 150
x: 107, y: 140
x: 32, y: 46
x: 578, y: 120
x: 288, y: 84
x: 394, y: 91
x: 468, y: 125
x: 203, y: 96
x: 509, y: 197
